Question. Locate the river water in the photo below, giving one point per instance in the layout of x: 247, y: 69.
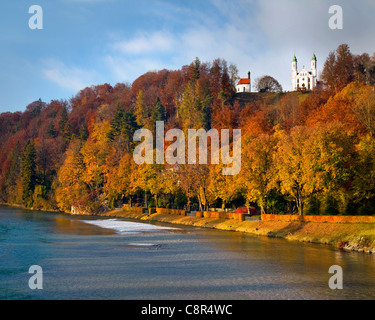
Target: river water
x: 100, y: 258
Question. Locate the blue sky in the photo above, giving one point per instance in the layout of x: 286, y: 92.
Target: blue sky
x: 89, y: 42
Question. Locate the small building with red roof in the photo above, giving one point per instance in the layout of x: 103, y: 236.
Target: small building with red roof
x: 244, y: 85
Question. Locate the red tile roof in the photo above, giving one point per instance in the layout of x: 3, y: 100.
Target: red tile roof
x: 244, y: 81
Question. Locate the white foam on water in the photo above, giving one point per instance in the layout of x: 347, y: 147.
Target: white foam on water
x: 142, y: 245
x: 126, y: 227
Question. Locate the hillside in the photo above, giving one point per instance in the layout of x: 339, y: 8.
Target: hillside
x: 268, y: 98
x: 311, y: 153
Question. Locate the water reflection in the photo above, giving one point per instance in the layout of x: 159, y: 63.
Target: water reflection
x: 188, y: 263
x: 64, y: 225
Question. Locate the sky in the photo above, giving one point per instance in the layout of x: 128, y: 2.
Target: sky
x: 91, y: 42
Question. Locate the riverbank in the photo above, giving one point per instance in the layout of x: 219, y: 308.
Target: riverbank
x: 358, y: 237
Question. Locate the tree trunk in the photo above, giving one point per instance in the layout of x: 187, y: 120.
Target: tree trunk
x: 261, y: 210
x: 299, y: 201
x: 200, y: 203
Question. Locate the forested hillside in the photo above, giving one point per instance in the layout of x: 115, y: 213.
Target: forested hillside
x: 302, y: 152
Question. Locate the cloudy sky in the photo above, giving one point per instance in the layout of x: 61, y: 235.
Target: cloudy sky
x: 87, y: 42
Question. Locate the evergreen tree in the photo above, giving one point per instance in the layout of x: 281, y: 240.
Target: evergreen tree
x: 128, y: 125
x: 83, y: 132
x: 65, y: 128
x: 51, y: 131
x: 194, y: 70
x: 158, y: 111
x: 28, y: 174
x: 13, y: 174
x: 123, y: 124
x: 63, y: 120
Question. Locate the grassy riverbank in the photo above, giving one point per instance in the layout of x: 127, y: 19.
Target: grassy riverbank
x: 349, y: 236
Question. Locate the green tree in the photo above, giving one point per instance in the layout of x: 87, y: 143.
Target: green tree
x: 65, y: 128
x: 28, y: 174
x: 158, y: 111
x: 51, y: 131
x: 123, y: 125
x: 190, y: 109
x: 83, y: 132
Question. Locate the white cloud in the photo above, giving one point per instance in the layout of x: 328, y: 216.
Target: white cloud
x: 301, y: 27
x: 260, y: 36
x: 207, y: 38
x: 127, y: 70
x: 71, y: 78
x: 146, y: 43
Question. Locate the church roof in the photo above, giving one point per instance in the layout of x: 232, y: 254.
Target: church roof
x: 294, y: 58
x: 313, y: 57
x: 244, y: 81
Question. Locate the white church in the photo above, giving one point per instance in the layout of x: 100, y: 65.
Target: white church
x: 244, y: 84
x: 304, y: 79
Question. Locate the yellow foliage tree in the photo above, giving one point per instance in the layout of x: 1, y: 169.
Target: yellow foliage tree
x: 256, y: 172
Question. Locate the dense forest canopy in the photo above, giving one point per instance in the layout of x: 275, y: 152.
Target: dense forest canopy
x: 302, y: 152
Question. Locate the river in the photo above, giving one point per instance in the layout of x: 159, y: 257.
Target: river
x: 100, y: 258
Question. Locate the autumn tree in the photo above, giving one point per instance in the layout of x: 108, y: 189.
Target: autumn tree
x: 364, y: 108
x: 290, y: 169
x: 190, y: 109
x: 364, y: 178
x: 147, y: 178
x: 223, y: 187
x: 118, y: 180
x: 289, y: 111
x: 329, y: 162
x: 71, y: 189
x: 338, y: 70
x: 141, y: 110
x: 341, y: 108
x: 256, y: 173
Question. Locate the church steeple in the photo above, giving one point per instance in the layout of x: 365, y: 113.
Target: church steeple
x: 294, y: 65
x: 314, y: 61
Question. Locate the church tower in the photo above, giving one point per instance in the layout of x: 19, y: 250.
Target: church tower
x: 314, y: 69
